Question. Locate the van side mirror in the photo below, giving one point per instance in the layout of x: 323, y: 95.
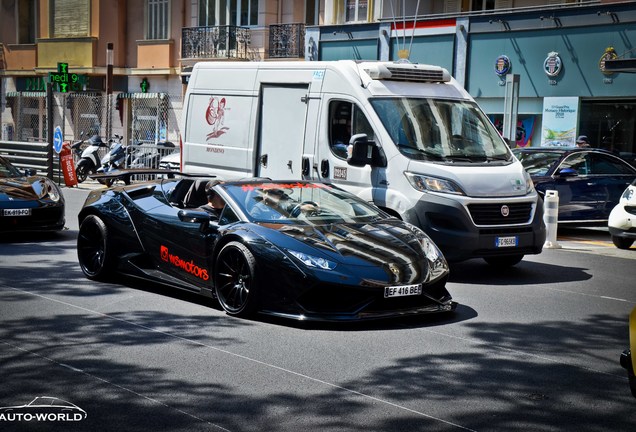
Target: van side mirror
x: 363, y: 152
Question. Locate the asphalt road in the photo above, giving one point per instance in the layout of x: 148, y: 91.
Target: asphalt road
x: 532, y: 348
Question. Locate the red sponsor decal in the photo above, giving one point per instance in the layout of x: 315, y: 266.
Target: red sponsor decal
x: 187, y: 266
x: 261, y: 186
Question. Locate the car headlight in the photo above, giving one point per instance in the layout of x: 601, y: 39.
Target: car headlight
x: 438, y: 265
x: 46, y: 188
x: 434, y: 184
x: 312, y: 261
x: 628, y: 194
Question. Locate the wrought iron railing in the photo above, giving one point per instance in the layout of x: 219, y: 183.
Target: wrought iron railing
x: 286, y: 40
x: 212, y: 42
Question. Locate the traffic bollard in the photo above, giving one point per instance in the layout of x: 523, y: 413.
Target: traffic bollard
x: 550, y: 218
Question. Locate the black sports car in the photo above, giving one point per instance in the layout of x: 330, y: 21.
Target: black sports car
x: 28, y: 202
x: 315, y: 252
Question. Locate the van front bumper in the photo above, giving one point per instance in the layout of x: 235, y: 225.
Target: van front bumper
x: 449, y: 223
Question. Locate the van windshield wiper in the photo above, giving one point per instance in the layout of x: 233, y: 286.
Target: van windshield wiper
x: 426, y: 153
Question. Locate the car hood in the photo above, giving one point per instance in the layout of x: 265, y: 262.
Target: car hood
x: 18, y: 188
x: 362, y: 244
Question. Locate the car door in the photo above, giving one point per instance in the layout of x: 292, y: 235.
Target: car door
x: 345, y: 119
x: 611, y: 176
x: 580, y: 195
x: 179, y: 248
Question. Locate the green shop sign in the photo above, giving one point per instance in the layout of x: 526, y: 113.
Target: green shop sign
x: 65, y: 82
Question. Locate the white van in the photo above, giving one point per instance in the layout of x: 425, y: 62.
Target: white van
x: 405, y: 136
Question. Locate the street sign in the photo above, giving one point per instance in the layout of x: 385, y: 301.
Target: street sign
x: 58, y: 139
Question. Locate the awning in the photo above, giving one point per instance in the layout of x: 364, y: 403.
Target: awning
x: 140, y: 95
x: 26, y: 94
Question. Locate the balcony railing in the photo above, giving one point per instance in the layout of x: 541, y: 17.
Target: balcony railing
x: 286, y: 40
x: 213, y: 42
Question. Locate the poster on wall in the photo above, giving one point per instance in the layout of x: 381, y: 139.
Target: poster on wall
x: 560, y: 116
x: 525, y: 128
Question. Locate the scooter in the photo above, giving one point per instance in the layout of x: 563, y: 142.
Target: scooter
x: 114, y: 159
x: 89, y: 157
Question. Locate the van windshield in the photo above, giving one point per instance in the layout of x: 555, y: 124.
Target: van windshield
x: 441, y: 130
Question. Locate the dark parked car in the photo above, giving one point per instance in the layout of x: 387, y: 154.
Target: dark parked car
x: 316, y: 252
x: 589, y: 181
x: 28, y: 202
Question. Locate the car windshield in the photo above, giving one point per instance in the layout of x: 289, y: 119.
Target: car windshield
x: 440, y: 130
x: 314, y: 203
x: 537, y: 163
x: 7, y: 170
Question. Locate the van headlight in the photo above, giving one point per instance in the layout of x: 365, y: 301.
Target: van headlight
x: 425, y: 183
x: 529, y: 182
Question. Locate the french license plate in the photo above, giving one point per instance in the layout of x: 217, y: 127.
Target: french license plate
x: 400, y: 291
x: 512, y: 241
x: 17, y: 212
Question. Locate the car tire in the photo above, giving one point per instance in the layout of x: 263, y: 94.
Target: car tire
x: 504, y: 261
x: 622, y: 243
x: 234, y: 280
x: 94, y: 249
x: 82, y: 170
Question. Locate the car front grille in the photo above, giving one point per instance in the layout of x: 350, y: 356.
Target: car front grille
x: 493, y: 214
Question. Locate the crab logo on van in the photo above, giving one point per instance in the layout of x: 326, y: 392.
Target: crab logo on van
x: 215, y: 116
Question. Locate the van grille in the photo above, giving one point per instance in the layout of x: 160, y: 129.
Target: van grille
x: 492, y: 214
x: 412, y: 74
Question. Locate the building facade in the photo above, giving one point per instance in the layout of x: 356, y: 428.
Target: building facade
x: 556, y: 49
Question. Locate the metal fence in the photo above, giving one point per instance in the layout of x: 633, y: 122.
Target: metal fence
x: 146, y: 121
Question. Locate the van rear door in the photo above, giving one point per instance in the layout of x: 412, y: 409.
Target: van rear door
x: 283, y: 113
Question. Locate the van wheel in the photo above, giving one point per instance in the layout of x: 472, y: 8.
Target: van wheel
x: 622, y: 243
x: 504, y: 261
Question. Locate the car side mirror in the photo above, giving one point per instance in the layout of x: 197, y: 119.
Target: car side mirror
x: 29, y: 172
x: 363, y: 152
x: 568, y: 172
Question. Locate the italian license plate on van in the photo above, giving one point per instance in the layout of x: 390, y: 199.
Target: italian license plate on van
x: 17, y: 212
x: 401, y: 291
x: 512, y: 241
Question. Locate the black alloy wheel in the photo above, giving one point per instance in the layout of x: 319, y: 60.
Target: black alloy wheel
x: 234, y: 281
x: 94, y: 249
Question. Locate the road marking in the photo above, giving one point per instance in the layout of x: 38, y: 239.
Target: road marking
x: 243, y: 357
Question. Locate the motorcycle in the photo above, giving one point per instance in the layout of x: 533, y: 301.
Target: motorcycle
x: 88, y: 158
